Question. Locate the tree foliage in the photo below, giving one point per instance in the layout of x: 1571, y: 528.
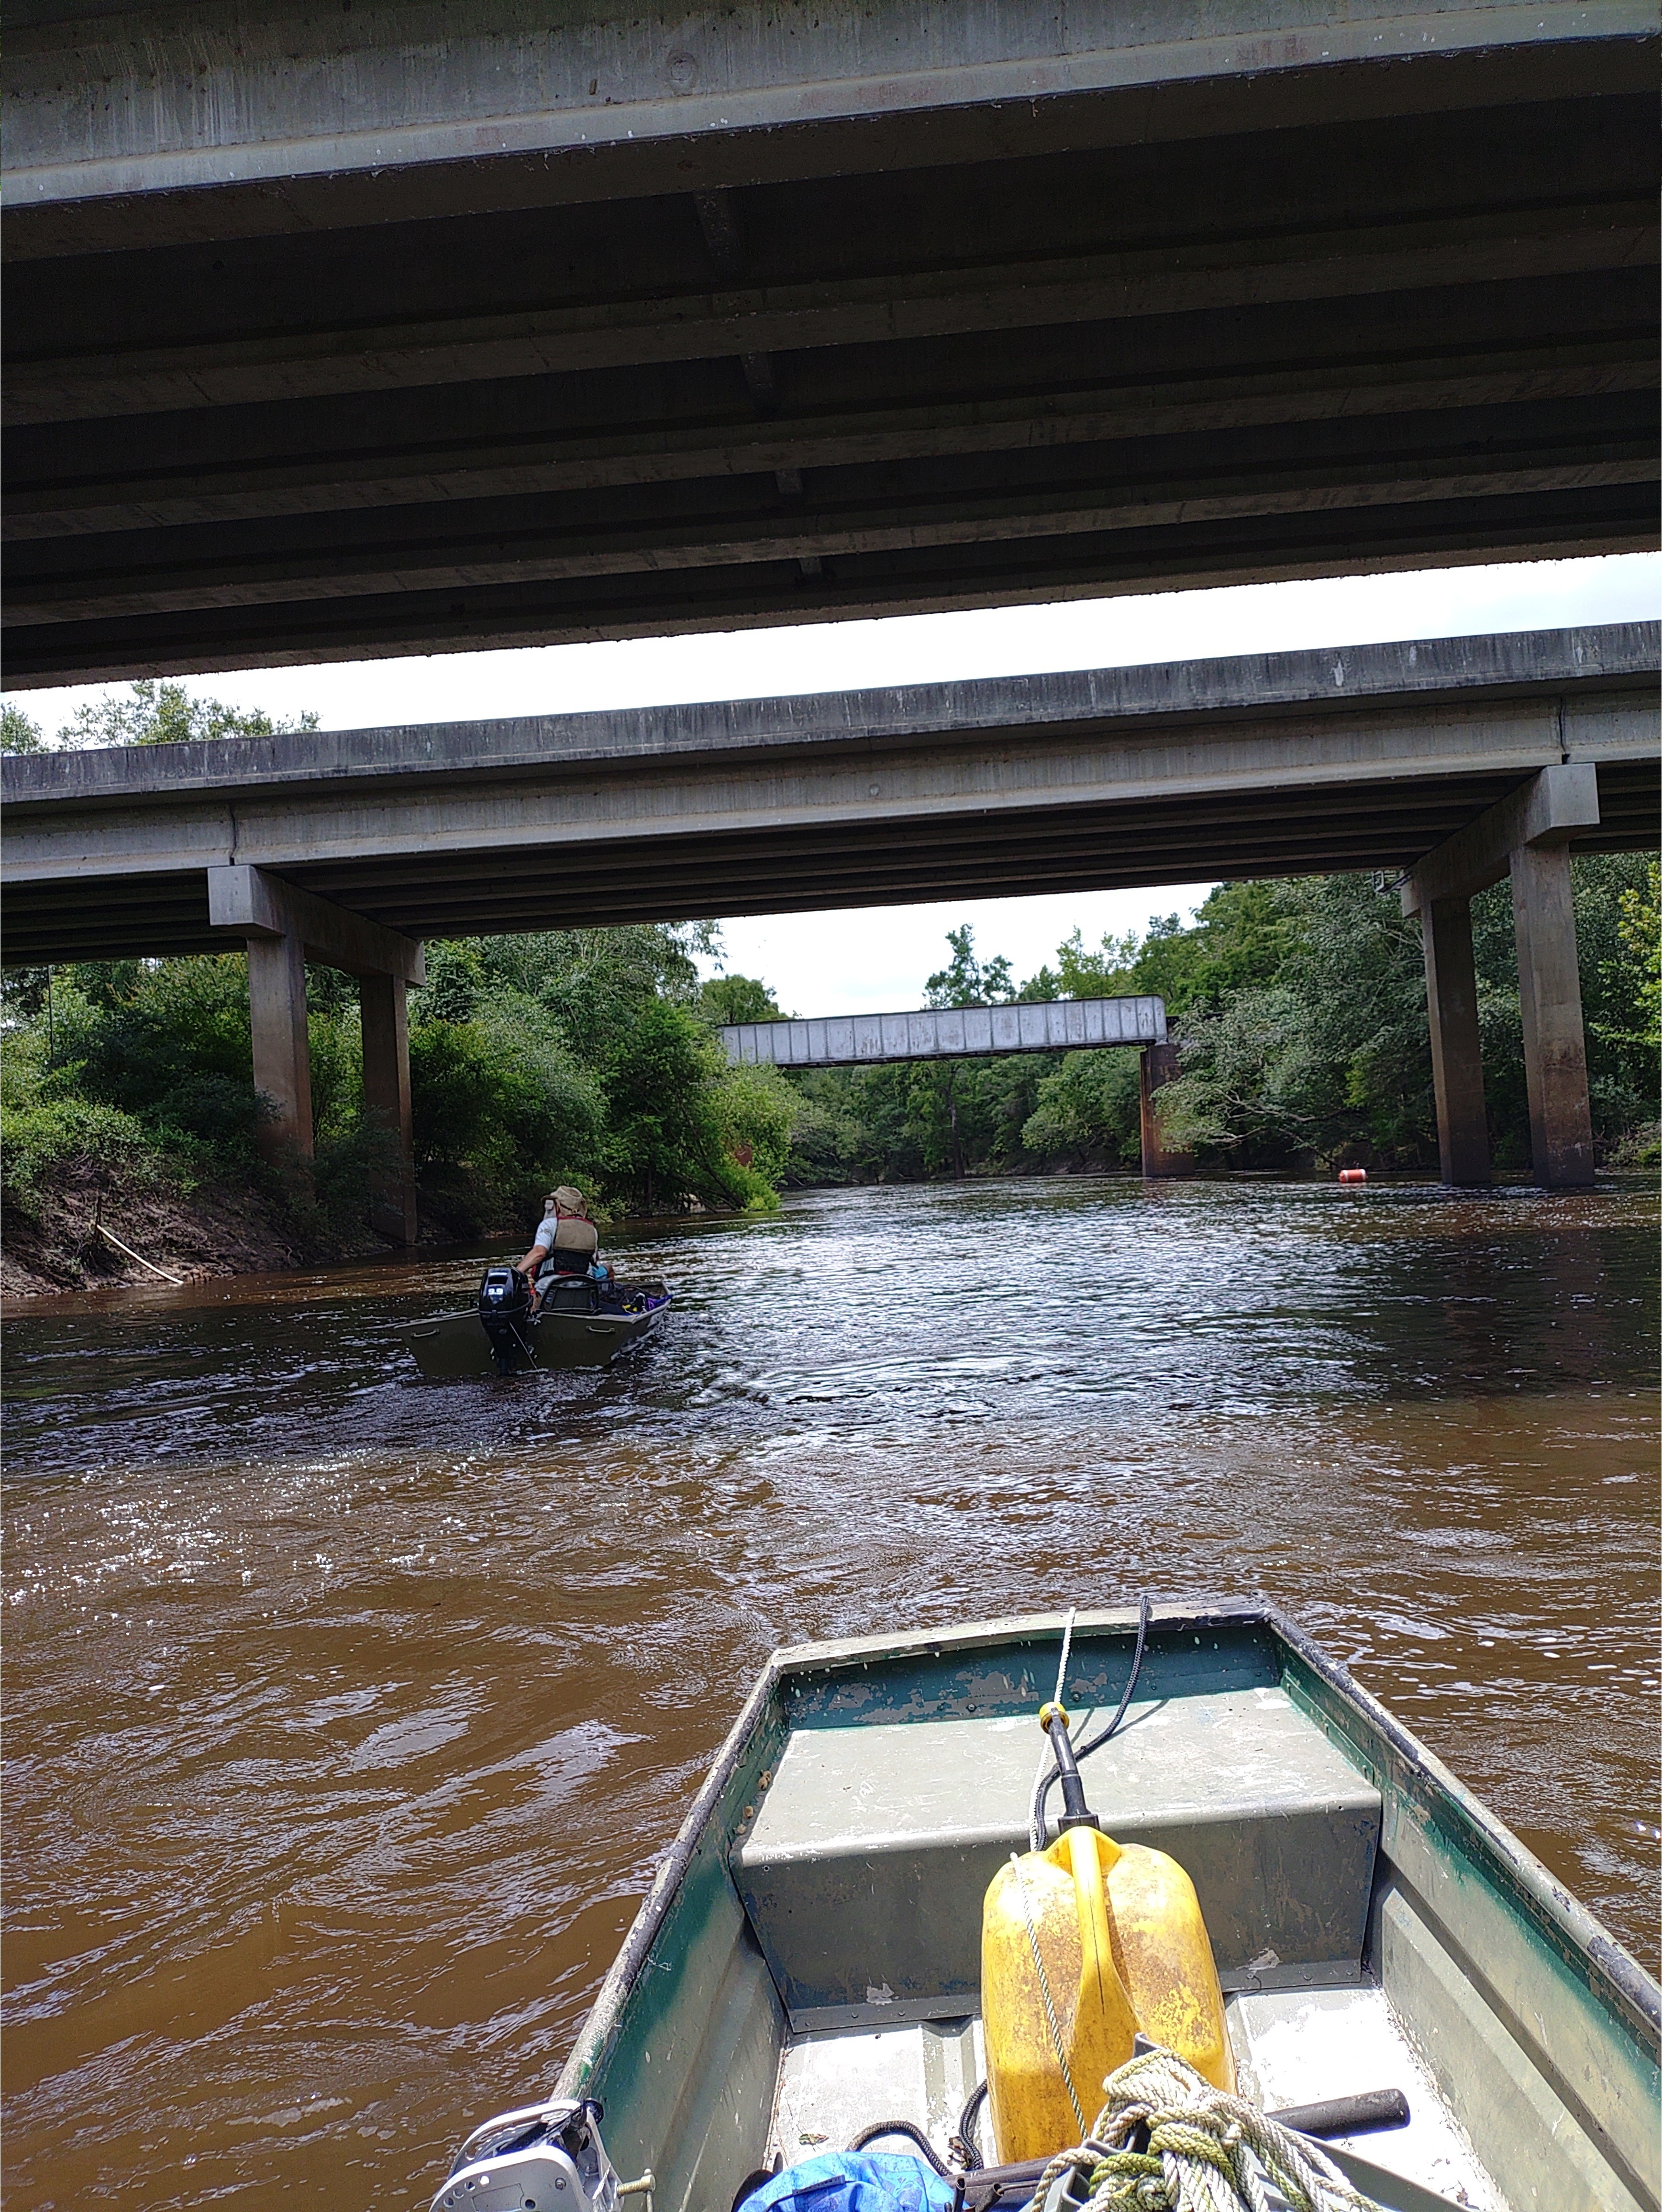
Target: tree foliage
x: 147, y: 713
x: 577, y: 1055
x: 1299, y: 1006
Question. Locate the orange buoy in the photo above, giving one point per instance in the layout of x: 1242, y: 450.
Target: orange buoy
x: 1353, y: 1175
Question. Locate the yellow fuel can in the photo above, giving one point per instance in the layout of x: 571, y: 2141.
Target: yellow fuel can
x: 1119, y: 1933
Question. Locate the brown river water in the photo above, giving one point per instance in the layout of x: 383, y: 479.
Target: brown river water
x: 347, y: 1714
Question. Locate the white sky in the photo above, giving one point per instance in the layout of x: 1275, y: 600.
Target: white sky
x: 878, y: 958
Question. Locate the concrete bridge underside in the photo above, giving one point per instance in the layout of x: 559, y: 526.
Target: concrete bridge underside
x: 1263, y: 765
x: 335, y: 334
x: 1449, y: 764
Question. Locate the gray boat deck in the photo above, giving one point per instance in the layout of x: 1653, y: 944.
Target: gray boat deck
x: 864, y: 1871
x: 1291, y: 2046
x: 809, y: 1962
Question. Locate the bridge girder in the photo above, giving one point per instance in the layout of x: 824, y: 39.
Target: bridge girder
x: 450, y: 328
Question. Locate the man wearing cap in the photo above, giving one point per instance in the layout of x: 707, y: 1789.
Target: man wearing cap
x: 566, y: 1241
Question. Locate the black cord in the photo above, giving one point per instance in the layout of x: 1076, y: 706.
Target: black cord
x: 1084, y: 1750
x: 902, y: 2128
x: 963, y: 2146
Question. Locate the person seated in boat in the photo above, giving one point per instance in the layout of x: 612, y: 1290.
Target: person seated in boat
x: 567, y: 1241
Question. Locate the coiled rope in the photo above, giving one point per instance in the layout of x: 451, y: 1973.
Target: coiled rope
x: 1166, y: 2141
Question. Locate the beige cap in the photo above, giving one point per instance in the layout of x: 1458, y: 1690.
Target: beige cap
x: 567, y: 1200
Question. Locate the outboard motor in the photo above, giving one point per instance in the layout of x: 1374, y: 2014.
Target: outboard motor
x: 505, y: 1317
x: 546, y: 2155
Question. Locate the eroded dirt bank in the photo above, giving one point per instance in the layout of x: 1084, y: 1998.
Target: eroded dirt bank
x: 63, y: 1239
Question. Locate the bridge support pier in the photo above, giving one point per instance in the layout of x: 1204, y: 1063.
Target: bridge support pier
x: 1554, y: 1039
x: 384, y: 1024
x: 283, y: 1057
x: 1157, y: 1065
x: 1526, y: 836
x: 284, y: 926
x: 1457, y: 1058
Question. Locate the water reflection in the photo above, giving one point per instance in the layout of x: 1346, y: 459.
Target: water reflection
x: 347, y: 1712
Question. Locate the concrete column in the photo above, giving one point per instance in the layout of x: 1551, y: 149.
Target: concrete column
x: 283, y: 926
x: 1457, y: 1062
x: 381, y: 1012
x: 283, y: 1059
x: 1159, y: 1065
x: 1550, y: 992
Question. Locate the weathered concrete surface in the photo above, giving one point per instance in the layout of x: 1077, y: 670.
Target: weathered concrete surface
x: 1267, y: 765
x: 1160, y: 1065
x: 1456, y: 1056
x: 1529, y: 833
x: 283, y: 1051
x: 290, y: 115
x: 437, y: 326
x: 1552, y: 808
x: 946, y: 1033
x: 1550, y: 994
x: 283, y: 928
x: 384, y: 1022
x: 248, y: 902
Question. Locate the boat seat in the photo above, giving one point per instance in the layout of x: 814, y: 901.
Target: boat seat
x: 864, y: 1870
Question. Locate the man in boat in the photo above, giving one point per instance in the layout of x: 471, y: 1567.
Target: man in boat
x: 567, y: 1241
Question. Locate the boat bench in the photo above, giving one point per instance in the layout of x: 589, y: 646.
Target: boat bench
x: 863, y: 1869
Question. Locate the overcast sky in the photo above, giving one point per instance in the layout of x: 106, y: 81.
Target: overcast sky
x: 878, y: 959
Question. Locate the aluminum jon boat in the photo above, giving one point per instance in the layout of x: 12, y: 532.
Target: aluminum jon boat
x: 808, y: 1963
x: 457, y: 1347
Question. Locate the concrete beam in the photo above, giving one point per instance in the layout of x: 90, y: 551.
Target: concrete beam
x: 256, y: 905
x: 516, y: 542
x: 946, y: 1033
x: 1528, y: 834
x: 1559, y: 802
x: 911, y: 304
x: 283, y: 926
x: 1549, y: 996
x: 442, y: 452
x: 1263, y: 765
x: 237, y: 124
x: 282, y: 1048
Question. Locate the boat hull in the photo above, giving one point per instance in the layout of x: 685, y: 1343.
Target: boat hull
x: 453, y: 1347
x: 811, y: 1941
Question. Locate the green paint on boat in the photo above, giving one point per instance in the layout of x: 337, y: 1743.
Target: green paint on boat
x: 806, y: 1936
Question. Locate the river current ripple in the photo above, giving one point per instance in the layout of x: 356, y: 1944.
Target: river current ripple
x: 348, y: 1714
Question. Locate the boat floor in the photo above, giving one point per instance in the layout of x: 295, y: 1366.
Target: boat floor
x: 1292, y: 2047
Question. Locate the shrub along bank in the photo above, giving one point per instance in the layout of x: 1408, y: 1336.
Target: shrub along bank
x: 1299, y: 1009
x: 580, y: 1055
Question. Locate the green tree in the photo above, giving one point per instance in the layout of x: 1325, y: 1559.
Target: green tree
x: 1639, y: 932
x: 963, y: 981
x: 18, y: 734
x: 727, y: 998
x: 165, y: 713
x: 1090, y: 1108
x: 666, y: 1138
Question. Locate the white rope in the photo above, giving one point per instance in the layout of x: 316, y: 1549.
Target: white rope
x: 1206, y: 2151
x: 1067, y: 1646
x: 1047, y: 1756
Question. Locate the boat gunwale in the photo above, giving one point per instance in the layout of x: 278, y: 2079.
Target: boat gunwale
x: 1572, y: 1930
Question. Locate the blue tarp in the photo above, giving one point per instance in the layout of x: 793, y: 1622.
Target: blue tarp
x: 854, y: 2181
